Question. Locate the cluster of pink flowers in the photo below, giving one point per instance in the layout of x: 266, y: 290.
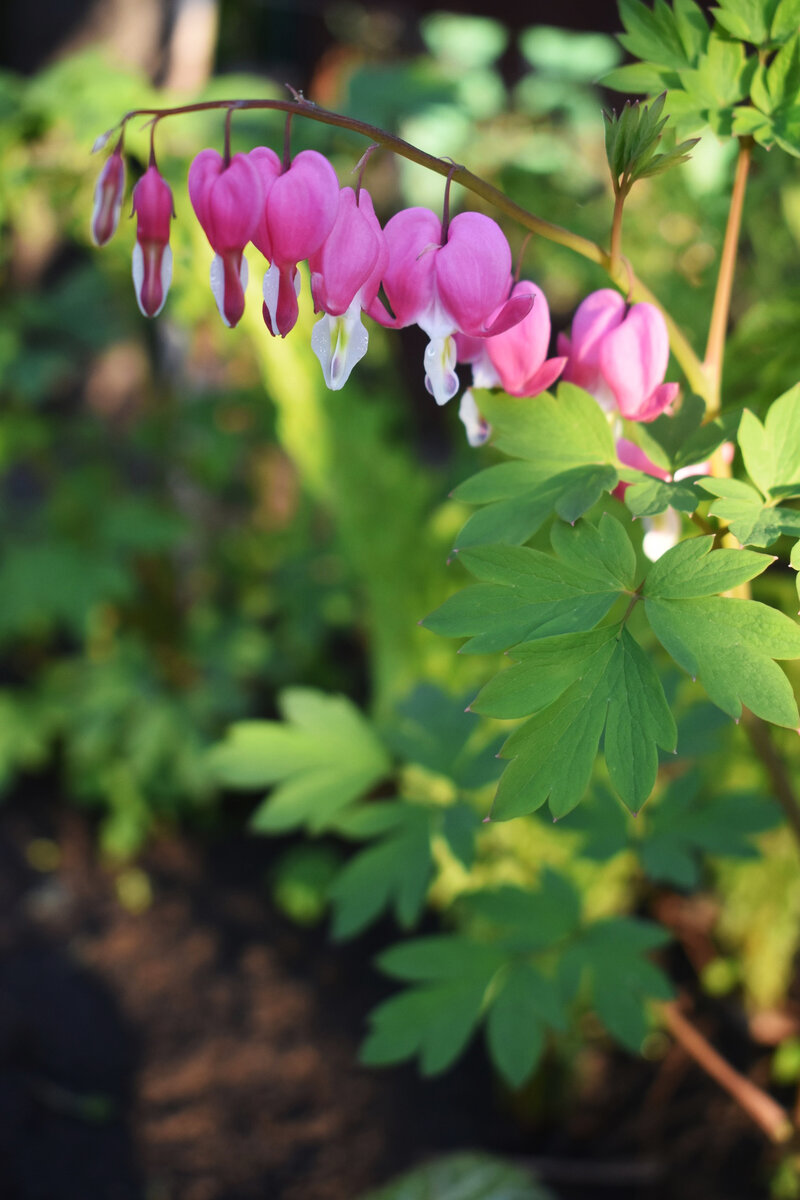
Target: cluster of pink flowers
x: 452, y: 278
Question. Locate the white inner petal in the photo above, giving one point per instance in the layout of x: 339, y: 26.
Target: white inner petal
x: 663, y: 532
x: 484, y: 374
x: 166, y: 277
x: 477, y: 428
x: 217, y: 277
x: 272, y: 283
x: 339, y: 343
x: 138, y: 274
x: 440, y: 376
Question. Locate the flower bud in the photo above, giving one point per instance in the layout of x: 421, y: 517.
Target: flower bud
x: 108, y: 193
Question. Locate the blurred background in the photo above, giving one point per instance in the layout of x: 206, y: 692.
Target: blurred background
x: 191, y: 523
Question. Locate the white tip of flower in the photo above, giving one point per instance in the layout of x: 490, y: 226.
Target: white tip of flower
x: 138, y: 274
x: 217, y: 278
x: 440, y: 361
x: 663, y: 532
x: 339, y: 343
x: 101, y: 141
x: 477, y: 427
x: 272, y: 282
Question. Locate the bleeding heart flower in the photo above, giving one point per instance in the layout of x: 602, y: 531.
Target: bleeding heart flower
x: 477, y: 428
x: 298, y: 214
x: 152, y: 257
x: 346, y: 273
x: 620, y: 355
x: 228, y: 200
x: 108, y: 193
x: 515, y: 360
x: 457, y: 285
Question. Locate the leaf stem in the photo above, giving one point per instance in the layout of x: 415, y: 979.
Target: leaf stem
x: 715, y: 347
x: 771, y: 1118
x: 616, y: 228
x: 681, y: 347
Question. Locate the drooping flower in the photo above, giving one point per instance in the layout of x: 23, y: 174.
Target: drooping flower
x: 108, y: 193
x: 152, y: 257
x: 346, y: 273
x: 227, y: 199
x: 514, y: 360
x: 297, y: 215
x: 446, y: 286
x: 620, y: 355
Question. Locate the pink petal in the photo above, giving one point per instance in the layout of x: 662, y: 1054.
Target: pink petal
x: 108, y: 193
x: 346, y: 259
x: 409, y: 280
x: 227, y: 200
x: 373, y: 282
x: 633, y: 456
x: 509, y: 315
x: 633, y: 358
x: 544, y: 378
x: 268, y: 168
x: 519, y: 352
x: 473, y: 270
x: 595, y: 317
x: 658, y: 402
x: 152, y: 203
x: 301, y: 208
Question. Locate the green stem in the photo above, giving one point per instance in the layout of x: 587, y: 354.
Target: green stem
x: 616, y: 228
x: 681, y: 348
x: 715, y: 347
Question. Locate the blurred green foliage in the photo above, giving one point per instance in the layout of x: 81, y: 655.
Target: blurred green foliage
x: 191, y: 524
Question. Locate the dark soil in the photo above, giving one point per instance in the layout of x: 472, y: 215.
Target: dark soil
x: 205, y: 1049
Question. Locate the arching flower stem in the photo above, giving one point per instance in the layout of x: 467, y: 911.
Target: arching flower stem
x: 693, y: 368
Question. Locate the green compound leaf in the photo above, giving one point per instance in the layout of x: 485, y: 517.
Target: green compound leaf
x: 395, y: 872
x: 323, y: 756
x: 524, y: 921
x: 553, y: 753
x: 749, y: 20
x: 544, y: 670
x: 525, y: 593
x: 568, y: 461
x: 612, y: 954
x: 653, y: 496
x: 693, y: 569
x: 771, y: 451
x: 515, y: 1033
x: 730, y: 646
x: 435, y: 1022
x: 656, y: 36
x: 752, y: 521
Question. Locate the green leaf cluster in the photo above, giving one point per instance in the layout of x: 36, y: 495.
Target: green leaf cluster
x: 771, y: 454
x: 562, y: 460
x: 672, y: 837
x: 518, y: 966
x: 577, y: 680
x: 632, y: 138
x: 741, y: 77
x: 322, y: 757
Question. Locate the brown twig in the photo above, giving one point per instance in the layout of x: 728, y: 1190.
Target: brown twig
x: 771, y: 1118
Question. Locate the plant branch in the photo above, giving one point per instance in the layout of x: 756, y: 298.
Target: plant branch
x: 771, y: 1118
x: 681, y: 348
x: 715, y: 347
